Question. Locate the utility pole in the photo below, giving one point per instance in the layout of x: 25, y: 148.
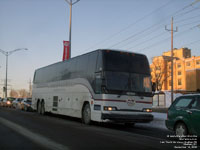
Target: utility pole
x: 172, y: 60
x: 70, y: 22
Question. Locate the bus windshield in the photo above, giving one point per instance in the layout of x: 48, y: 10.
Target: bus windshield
x: 126, y: 72
x: 127, y: 82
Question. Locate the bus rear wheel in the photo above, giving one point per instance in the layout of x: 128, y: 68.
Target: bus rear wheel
x: 86, y: 114
x: 42, y: 111
x: 38, y: 107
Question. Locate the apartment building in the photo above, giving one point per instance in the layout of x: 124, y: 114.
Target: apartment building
x: 186, y: 70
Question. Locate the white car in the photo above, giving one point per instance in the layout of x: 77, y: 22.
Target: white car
x: 16, y: 103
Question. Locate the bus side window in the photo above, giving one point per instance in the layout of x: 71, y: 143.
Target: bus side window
x: 91, y: 69
x: 99, y: 62
x: 98, y: 82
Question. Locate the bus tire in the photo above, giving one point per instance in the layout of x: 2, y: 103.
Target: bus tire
x: 129, y: 124
x: 38, y: 107
x: 86, y: 114
x: 42, y: 111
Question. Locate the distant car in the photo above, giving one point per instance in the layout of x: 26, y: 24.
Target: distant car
x: 26, y: 104
x: 1, y: 102
x: 4, y: 102
x: 16, y: 102
x: 184, y: 115
x: 7, y: 102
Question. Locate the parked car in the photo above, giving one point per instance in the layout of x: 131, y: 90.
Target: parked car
x: 16, y: 103
x: 26, y: 104
x: 8, y: 101
x: 4, y: 104
x: 184, y: 115
x: 1, y: 101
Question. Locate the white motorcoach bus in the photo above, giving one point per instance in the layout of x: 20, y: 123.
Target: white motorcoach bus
x: 103, y: 86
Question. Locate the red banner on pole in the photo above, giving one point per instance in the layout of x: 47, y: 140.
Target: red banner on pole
x: 66, y: 45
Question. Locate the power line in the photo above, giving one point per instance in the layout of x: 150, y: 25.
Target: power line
x: 191, y: 43
x: 188, y: 12
x: 164, y: 40
x: 124, y: 29
x: 156, y: 36
x: 134, y: 35
x: 147, y: 40
x: 189, y: 23
x: 139, y: 33
x: 178, y: 21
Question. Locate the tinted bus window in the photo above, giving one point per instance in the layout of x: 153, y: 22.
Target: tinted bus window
x: 82, y: 65
x: 116, y: 61
x: 125, y: 62
x: 91, y: 68
x: 139, y: 64
x: 99, y: 62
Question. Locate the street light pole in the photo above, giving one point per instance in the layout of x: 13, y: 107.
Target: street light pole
x: 7, y: 54
x: 6, y: 76
x: 70, y: 23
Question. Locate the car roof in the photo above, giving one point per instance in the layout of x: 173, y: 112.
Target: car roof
x: 191, y: 95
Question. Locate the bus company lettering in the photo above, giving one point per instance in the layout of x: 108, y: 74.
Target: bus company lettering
x: 130, y: 102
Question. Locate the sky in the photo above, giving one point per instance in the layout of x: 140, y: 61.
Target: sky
x: 131, y: 25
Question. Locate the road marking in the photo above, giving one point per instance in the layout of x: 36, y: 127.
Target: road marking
x: 46, y: 142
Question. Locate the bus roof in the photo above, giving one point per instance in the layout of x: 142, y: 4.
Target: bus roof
x: 117, y: 50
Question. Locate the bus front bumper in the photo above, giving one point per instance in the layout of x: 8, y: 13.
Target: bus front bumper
x: 127, y: 117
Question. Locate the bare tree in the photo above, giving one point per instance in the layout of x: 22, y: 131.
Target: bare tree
x: 13, y: 93
x: 23, y: 93
x: 160, y: 71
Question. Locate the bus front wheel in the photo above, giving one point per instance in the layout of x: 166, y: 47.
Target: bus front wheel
x: 86, y: 114
x: 38, y: 107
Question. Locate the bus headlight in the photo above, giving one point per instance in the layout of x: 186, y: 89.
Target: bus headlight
x: 110, y: 108
x: 147, y: 110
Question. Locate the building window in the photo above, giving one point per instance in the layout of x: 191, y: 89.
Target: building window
x: 198, y: 62
x: 179, y: 73
x: 179, y: 65
x: 187, y: 63
x: 179, y: 82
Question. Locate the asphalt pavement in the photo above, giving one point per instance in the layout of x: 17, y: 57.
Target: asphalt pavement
x: 29, y: 130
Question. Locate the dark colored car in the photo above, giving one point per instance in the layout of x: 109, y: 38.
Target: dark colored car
x: 184, y: 115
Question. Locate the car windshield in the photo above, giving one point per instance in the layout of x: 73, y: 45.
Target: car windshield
x: 184, y: 102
